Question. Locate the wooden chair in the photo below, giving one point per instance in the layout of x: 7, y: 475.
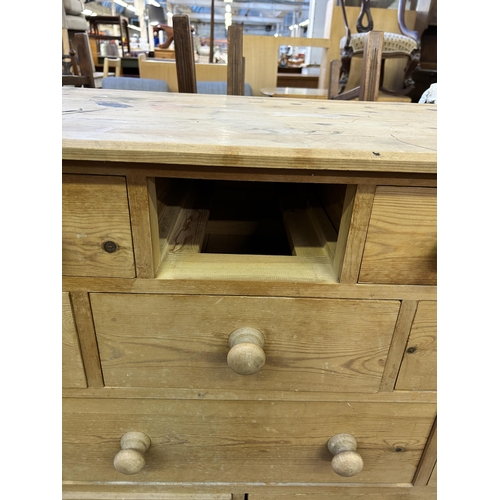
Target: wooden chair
x: 370, y: 74
x: 184, y: 57
x: 82, y: 63
x: 112, y: 62
x: 404, y: 44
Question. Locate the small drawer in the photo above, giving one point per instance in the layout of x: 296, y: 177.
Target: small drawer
x: 155, y: 340
x: 96, y: 234
x: 401, y: 244
x: 209, y: 441
x: 73, y: 373
x: 419, y: 368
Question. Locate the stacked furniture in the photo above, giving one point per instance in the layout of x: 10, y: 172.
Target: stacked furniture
x: 249, y: 297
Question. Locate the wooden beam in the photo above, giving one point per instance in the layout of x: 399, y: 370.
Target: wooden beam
x: 235, y: 61
x: 184, y: 54
x: 372, y: 64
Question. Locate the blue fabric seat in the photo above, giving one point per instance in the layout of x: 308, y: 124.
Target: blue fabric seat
x: 130, y: 83
x: 218, y: 88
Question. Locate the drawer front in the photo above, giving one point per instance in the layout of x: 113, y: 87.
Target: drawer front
x: 94, y: 213
x: 419, y: 368
x: 210, y: 441
x: 148, y: 340
x: 73, y: 373
x: 401, y: 244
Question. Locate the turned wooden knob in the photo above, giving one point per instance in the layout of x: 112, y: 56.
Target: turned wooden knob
x: 246, y: 355
x: 346, y: 461
x: 130, y: 459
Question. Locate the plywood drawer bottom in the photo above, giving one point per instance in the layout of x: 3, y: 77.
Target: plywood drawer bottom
x: 245, y: 442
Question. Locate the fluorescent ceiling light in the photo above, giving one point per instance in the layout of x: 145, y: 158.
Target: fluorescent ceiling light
x: 131, y: 26
x: 154, y: 3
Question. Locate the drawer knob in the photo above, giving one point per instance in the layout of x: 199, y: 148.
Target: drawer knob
x: 346, y: 461
x: 246, y: 355
x: 130, y: 459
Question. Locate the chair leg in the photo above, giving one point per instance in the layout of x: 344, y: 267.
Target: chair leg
x: 413, y: 61
x: 184, y: 54
x: 105, y: 68
x: 235, y: 60
x: 346, y: 57
x: 333, y: 84
x: 372, y: 62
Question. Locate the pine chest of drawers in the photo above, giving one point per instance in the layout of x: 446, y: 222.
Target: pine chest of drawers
x: 249, y: 298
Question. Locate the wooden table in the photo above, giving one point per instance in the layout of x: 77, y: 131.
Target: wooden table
x: 241, y: 283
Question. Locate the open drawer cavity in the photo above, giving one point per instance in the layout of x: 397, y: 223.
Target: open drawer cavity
x: 248, y: 230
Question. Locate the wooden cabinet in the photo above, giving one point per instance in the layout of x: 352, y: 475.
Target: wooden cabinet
x: 272, y: 285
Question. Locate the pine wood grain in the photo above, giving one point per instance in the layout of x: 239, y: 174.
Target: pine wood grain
x: 419, y: 367
x: 398, y: 344
x: 73, y: 373
x: 144, y: 223
x: 296, y: 134
x: 352, y: 232
x: 176, y: 341
x: 251, y: 288
x: 249, y: 173
x: 401, y: 244
x: 86, y: 334
x: 216, y: 441
x: 254, y: 268
x: 353, y: 493
x: 316, y: 492
x: 411, y: 397
x: 95, y: 210
x: 89, y: 495
x: 428, y: 460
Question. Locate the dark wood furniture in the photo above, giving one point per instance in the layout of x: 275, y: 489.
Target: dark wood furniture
x: 404, y: 44
x: 184, y: 57
x: 123, y: 39
x: 82, y: 64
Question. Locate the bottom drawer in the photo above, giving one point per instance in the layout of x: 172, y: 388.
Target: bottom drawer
x: 243, y: 441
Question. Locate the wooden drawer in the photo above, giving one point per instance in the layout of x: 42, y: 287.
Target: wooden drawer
x: 148, y: 340
x: 401, y: 244
x: 419, y: 368
x: 96, y: 235
x: 215, y: 441
x: 73, y: 373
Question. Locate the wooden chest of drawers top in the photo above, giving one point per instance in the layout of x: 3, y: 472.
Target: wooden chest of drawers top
x: 253, y: 132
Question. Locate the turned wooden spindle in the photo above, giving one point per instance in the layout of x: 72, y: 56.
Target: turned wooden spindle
x: 346, y: 461
x: 246, y: 355
x: 130, y: 459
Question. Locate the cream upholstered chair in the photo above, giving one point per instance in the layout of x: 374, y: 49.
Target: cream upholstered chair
x: 404, y: 44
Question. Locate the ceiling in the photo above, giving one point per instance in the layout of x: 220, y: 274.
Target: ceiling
x: 257, y: 16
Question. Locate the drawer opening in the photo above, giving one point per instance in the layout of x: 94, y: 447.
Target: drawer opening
x: 238, y: 230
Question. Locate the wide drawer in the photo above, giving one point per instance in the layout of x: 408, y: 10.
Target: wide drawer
x: 96, y: 234
x: 148, y: 340
x: 401, y: 244
x: 208, y: 441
